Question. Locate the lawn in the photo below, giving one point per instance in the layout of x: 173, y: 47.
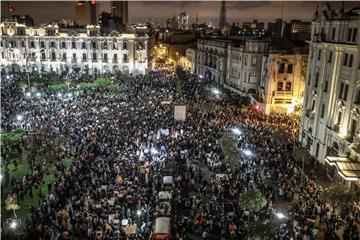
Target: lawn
x: 228, y: 145
x: 23, y: 168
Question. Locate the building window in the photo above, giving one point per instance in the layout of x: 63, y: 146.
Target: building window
x: 349, y: 34
x: 64, y: 56
x: 104, y: 45
x: 350, y: 60
x: 357, y: 99
x: 313, y: 105
x: 345, y: 92
x: 339, y: 118
x: 125, y: 47
x: 290, y: 68
x: 330, y: 57
x: 22, y: 44
x: 52, y: 44
x: 83, y: 45
x: 105, y: 57
x: 115, y: 56
x: 94, y: 57
x: 282, y: 68
x: 125, y: 58
x: 2, y: 55
x: 354, y: 124
x: 73, y: 45
x: 93, y: 45
x: 254, y: 60
x: 322, y: 111
x: 319, y: 55
x: 32, y: 44
x: 53, y: 56
x: 63, y: 45
x: 253, y: 78
x: 316, y: 80
x: 354, y: 36
x: 84, y: 57
x: 74, y: 56
x: 43, y: 56
x: 326, y: 85
x: 245, y: 60
x: 42, y: 44
x: 280, y: 86
x: 288, y: 86
x: 345, y: 58
x: 333, y: 34
x: 341, y: 89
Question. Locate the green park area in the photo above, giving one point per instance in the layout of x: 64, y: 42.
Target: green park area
x: 22, y: 208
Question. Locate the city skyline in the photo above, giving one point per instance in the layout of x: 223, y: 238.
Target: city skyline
x: 206, y: 11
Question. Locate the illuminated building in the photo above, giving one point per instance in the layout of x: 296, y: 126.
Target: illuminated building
x: 50, y: 48
x: 331, y: 113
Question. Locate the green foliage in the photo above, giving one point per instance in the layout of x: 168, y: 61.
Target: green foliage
x: 252, y: 201
x: 339, y: 195
x: 57, y: 87
x: 100, y: 82
x: 228, y: 145
x: 12, y: 138
x: 262, y: 229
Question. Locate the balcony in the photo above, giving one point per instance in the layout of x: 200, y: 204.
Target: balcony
x: 105, y: 60
x: 83, y: 60
x: 94, y: 60
x: 74, y: 60
x: 115, y: 61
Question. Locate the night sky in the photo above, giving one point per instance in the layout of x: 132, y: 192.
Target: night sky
x: 207, y: 11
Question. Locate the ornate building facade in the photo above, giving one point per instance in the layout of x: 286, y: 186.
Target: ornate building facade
x: 331, y: 113
x: 235, y: 64
x: 50, y: 48
x: 282, y: 83
x: 212, y: 58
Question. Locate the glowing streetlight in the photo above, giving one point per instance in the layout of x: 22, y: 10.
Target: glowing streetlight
x: 236, y: 131
x: 19, y: 117
x: 59, y: 95
x: 247, y: 152
x: 69, y: 95
x: 138, y: 212
x: 280, y: 215
x: 215, y: 91
x: 1, y: 177
x: 13, y: 224
x: 28, y: 94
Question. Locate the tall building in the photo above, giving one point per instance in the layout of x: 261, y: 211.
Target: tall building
x: 85, y: 13
x: 120, y: 9
x: 222, y: 19
x: 299, y: 30
x: 50, y: 48
x: 183, y: 21
x: 108, y: 22
x: 276, y: 29
x: 331, y: 113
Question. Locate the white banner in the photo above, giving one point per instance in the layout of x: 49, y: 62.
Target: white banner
x: 180, y: 113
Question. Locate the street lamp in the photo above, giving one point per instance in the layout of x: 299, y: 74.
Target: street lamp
x: 19, y: 117
x: 13, y: 224
x: 59, y: 95
x: 247, y: 152
x: 138, y: 212
x: 280, y: 215
x: 215, y: 91
x: 236, y: 131
x: 38, y: 94
x: 28, y: 94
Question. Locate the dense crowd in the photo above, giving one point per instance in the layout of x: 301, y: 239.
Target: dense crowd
x: 123, y: 147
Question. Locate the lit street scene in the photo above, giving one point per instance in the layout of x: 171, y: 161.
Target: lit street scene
x: 191, y: 120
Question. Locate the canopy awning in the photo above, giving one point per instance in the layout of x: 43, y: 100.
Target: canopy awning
x: 348, y: 169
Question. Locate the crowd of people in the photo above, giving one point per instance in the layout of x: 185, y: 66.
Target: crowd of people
x: 122, y: 147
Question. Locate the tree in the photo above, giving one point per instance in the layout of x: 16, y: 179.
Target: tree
x: 339, y: 195
x: 252, y: 201
x: 11, y: 204
x: 259, y: 229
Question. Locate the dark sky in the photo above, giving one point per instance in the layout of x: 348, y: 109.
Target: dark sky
x: 207, y: 11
